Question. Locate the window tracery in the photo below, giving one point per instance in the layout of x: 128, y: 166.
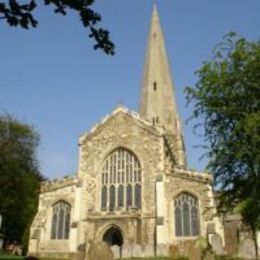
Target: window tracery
x: 186, y: 215
x: 60, y: 220
x: 123, y: 190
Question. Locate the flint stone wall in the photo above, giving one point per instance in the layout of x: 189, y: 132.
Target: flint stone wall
x: 146, y: 142
x: 175, y: 185
x: 41, y: 227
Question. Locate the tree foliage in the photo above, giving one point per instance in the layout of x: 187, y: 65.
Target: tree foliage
x: 226, y: 100
x: 19, y: 177
x: 20, y: 14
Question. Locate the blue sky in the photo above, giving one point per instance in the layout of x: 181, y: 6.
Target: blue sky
x: 51, y: 77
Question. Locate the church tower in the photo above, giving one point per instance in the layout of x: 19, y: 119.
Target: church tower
x: 132, y: 189
x: 158, y: 103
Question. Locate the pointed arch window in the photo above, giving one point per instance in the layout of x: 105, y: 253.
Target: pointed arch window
x: 138, y: 195
x: 104, y: 197
x: 112, y: 198
x: 129, y: 196
x: 120, y: 199
x: 60, y: 220
x: 186, y: 215
x: 123, y: 188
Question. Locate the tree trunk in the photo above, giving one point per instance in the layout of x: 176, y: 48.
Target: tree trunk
x: 255, y: 242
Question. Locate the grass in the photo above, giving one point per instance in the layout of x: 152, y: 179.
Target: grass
x: 147, y: 258
x: 11, y: 257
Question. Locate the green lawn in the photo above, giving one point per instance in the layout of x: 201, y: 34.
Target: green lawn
x: 10, y: 257
x: 147, y: 258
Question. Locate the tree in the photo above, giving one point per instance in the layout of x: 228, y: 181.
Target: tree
x: 226, y: 100
x: 17, y: 14
x: 19, y: 177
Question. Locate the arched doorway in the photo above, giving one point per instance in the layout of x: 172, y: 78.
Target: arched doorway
x: 113, y: 236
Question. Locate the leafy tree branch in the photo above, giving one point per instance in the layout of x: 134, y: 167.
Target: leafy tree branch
x: 21, y: 15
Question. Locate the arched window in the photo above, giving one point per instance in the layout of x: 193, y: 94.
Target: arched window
x: 120, y: 198
x: 129, y: 194
x: 186, y: 215
x: 60, y: 220
x: 138, y: 195
x: 104, y: 197
x: 112, y: 198
x: 121, y: 181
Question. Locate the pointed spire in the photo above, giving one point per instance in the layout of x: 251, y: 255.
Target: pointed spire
x: 155, y: 16
x: 158, y: 98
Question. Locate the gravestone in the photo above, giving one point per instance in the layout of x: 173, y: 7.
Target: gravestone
x: 127, y: 251
x: 174, y: 251
x: 148, y: 250
x: 116, y: 251
x: 247, y: 249
x: 1, y: 242
x: 162, y: 250
x: 137, y: 250
x: 100, y: 250
x: 211, y: 228
x: 194, y: 250
x: 216, y: 244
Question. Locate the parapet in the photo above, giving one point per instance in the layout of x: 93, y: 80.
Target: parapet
x: 192, y: 174
x: 47, y: 186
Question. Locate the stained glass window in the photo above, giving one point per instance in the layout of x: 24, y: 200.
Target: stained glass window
x: 104, y: 197
x: 186, y: 215
x: 194, y: 221
x: 60, y: 220
x: 129, y: 195
x: 178, y: 222
x: 138, y: 196
x: 120, y: 199
x: 121, y: 168
x: 112, y: 198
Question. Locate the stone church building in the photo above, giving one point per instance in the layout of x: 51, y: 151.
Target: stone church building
x: 132, y: 188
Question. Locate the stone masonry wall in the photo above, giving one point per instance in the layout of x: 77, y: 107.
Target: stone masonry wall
x: 40, y: 238
x: 176, y: 184
x: 120, y: 130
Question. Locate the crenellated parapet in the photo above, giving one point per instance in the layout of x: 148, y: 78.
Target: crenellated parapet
x: 47, y: 186
x: 192, y: 174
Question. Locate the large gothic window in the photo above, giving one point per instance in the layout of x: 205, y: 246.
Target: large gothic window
x: 60, y: 220
x: 138, y: 195
x: 186, y: 215
x: 121, y: 181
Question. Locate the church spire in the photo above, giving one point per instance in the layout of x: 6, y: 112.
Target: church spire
x: 158, y: 98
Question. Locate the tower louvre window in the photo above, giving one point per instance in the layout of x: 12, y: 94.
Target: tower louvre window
x: 154, y: 85
x: 123, y: 190
x: 155, y: 120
